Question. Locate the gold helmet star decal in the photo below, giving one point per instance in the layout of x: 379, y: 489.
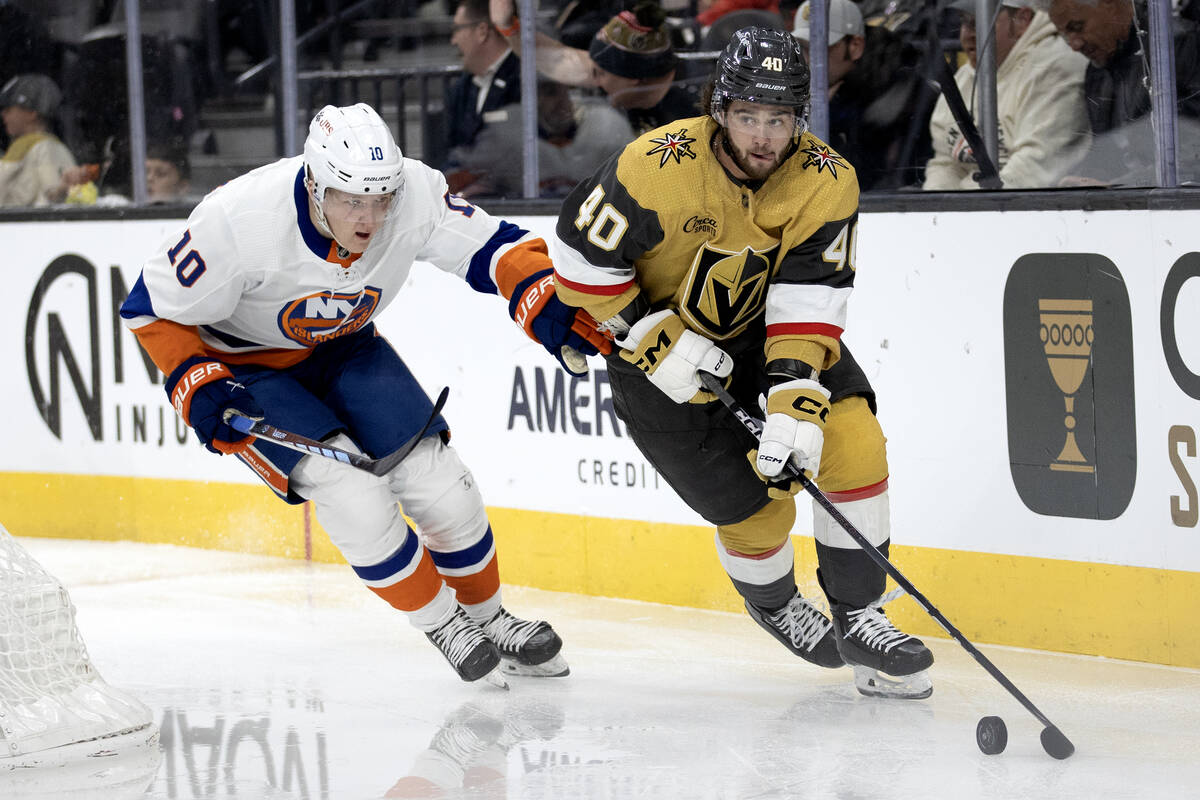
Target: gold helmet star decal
x: 673, y: 145
x: 821, y: 157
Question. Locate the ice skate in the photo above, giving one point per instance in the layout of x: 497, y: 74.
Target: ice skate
x: 887, y: 662
x: 465, y: 646
x: 526, y: 648
x: 802, y: 628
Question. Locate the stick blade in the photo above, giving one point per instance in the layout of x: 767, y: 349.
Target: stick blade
x: 1056, y: 744
x: 386, y: 464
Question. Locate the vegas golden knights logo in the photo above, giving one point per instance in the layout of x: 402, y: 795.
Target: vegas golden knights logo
x: 726, y: 291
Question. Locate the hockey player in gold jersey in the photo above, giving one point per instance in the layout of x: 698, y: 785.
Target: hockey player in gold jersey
x: 726, y: 244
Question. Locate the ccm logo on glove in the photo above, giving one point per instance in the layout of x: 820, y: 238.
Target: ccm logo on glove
x: 661, y: 346
x: 813, y: 406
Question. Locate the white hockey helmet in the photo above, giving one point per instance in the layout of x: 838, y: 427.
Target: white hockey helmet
x: 351, y: 149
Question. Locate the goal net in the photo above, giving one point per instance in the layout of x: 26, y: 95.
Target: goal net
x: 50, y: 694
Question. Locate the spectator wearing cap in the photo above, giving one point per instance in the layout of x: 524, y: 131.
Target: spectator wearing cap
x: 631, y: 59
x: 1116, y: 88
x: 1039, y: 103
x: 32, y: 167
x: 876, y: 97
x: 635, y: 65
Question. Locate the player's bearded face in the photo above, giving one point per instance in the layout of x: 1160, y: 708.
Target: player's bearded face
x: 354, y: 218
x: 758, y: 136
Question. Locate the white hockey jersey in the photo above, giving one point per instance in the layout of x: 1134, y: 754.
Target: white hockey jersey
x: 252, y: 280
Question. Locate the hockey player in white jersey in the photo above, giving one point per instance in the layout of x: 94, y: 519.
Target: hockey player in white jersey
x: 264, y: 304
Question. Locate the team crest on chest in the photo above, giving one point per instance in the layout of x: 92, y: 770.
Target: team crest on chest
x: 821, y: 157
x: 672, y: 146
x: 726, y: 290
x: 326, y: 315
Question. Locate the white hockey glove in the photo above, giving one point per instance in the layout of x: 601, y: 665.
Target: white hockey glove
x: 795, y: 424
x: 662, y: 347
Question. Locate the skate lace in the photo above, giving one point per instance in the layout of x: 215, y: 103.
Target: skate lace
x: 873, y: 627
x: 508, y: 632
x: 802, y: 621
x: 458, y: 637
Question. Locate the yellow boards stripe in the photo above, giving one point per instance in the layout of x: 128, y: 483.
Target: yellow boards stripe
x: 1134, y: 613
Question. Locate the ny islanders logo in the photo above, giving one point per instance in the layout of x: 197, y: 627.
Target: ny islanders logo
x: 672, y: 146
x: 327, y: 315
x: 726, y: 290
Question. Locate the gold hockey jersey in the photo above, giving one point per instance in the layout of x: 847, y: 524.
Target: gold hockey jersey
x: 664, y: 217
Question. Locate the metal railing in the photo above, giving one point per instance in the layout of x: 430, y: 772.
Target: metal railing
x: 417, y: 83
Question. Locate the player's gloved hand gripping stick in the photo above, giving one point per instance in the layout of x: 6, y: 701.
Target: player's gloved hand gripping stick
x: 294, y: 441
x: 1053, y: 740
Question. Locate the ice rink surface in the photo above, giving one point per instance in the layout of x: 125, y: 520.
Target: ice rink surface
x: 276, y: 679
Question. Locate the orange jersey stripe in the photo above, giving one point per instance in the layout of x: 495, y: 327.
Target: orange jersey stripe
x: 169, y: 343
x: 518, y: 263
x: 415, y: 591
x: 480, y: 586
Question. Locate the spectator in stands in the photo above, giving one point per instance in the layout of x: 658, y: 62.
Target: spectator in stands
x: 1116, y: 89
x: 168, y: 172
x: 635, y: 65
x: 491, y: 78
x: 713, y: 10
x: 1039, y: 98
x: 579, y: 20
x: 32, y: 167
x: 877, y: 104
x: 631, y: 59
x: 107, y: 183
x: 572, y: 139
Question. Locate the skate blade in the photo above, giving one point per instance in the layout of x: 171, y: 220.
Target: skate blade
x: 873, y: 683
x: 554, y: 668
x: 495, y: 678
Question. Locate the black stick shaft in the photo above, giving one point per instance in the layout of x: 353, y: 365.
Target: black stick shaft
x: 303, y: 444
x: 753, y: 425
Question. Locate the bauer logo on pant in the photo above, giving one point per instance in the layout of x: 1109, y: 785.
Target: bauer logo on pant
x: 1068, y: 359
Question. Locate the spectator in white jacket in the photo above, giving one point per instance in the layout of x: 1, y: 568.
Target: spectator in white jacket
x: 32, y: 167
x: 1039, y: 99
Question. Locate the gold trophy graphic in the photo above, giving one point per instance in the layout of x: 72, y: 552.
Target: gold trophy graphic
x: 1067, y: 336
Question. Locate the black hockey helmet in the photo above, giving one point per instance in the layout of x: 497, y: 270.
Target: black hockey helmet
x: 761, y: 65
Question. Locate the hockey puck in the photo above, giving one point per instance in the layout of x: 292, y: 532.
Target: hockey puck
x: 991, y: 735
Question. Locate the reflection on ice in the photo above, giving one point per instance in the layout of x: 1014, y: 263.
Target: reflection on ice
x: 272, y: 679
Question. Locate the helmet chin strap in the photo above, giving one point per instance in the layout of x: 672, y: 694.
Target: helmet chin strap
x: 322, y: 224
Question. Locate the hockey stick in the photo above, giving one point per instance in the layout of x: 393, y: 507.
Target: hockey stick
x: 303, y: 444
x: 988, y: 176
x: 1053, y: 740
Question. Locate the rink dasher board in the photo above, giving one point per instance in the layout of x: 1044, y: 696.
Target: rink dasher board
x: 947, y: 320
